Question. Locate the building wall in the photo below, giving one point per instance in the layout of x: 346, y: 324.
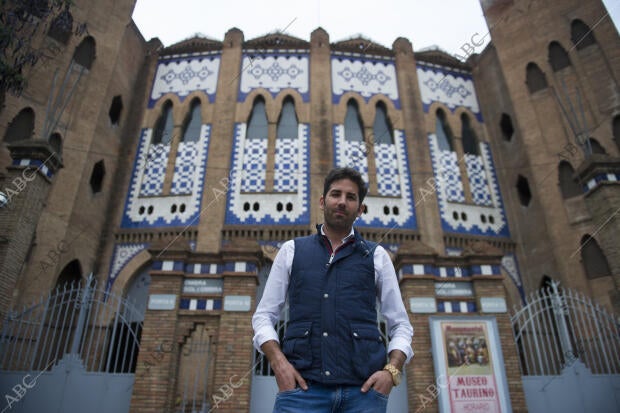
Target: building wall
x: 72, y: 219
x: 549, y: 230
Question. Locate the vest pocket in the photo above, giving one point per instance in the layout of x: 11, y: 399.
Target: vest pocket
x: 369, y: 353
x: 296, y: 345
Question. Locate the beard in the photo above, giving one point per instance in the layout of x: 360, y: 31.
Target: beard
x: 339, y: 219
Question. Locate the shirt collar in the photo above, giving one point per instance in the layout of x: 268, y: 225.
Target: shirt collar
x: 345, y: 239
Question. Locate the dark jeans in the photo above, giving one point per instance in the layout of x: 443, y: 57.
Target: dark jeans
x: 330, y: 399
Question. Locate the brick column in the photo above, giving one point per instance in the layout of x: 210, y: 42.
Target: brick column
x: 488, y: 282
x: 26, y: 184
x: 233, y: 359
x: 599, y: 175
x: 414, y: 261
x: 155, y: 377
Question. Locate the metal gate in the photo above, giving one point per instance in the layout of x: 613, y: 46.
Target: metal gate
x: 73, y: 351
x: 569, y: 350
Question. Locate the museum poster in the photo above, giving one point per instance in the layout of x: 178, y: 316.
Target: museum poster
x: 473, y: 380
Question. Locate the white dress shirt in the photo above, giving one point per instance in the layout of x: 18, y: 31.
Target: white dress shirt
x: 391, y: 304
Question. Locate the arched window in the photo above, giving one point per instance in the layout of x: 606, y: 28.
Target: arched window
x: 288, y: 125
x: 70, y: 275
x: 568, y: 186
x: 581, y: 35
x: 56, y: 143
x: 116, y: 108
x: 523, y: 190
x: 257, y: 124
x: 594, y: 262
x: 443, y: 132
x: 382, y: 128
x: 505, y: 125
x: 84, y: 54
x: 535, y: 78
x: 21, y: 127
x: 353, y: 129
x: 470, y: 143
x: 545, y: 283
x: 597, y: 147
x: 615, y: 128
x: 558, y: 58
x: 193, y: 123
x: 96, y: 177
x: 61, y: 27
x: 162, y: 132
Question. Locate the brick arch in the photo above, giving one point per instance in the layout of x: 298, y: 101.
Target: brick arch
x: 131, y: 269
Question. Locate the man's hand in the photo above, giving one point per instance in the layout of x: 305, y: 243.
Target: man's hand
x: 287, y: 376
x: 381, y: 381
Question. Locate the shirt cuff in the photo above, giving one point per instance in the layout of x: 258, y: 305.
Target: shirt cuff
x: 399, y: 343
x: 264, y: 335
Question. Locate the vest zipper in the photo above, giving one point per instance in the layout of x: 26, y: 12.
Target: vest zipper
x: 331, y: 257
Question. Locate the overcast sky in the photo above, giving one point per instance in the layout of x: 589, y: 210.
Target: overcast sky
x: 444, y: 23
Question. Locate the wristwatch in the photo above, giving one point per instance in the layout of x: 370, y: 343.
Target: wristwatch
x: 396, y: 375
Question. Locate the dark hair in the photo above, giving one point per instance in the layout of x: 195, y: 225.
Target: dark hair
x: 337, y: 174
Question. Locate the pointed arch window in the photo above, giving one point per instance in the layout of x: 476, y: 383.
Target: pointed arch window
x: 353, y: 129
x: 594, y: 261
x: 581, y: 35
x: 164, y: 125
x: 193, y: 123
x: 558, y: 58
x: 84, y: 54
x: 56, y: 143
x: 568, y: 186
x: 257, y: 124
x: 535, y: 78
x: 505, y: 125
x: 444, y: 134
x: 287, y: 124
x: 470, y: 142
x: 21, y: 127
x: 382, y: 127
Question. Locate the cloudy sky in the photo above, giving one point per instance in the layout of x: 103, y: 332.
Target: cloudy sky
x: 444, y: 23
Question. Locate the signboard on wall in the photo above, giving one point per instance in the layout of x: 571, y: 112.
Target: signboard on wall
x: 237, y: 303
x: 454, y: 289
x: 467, y: 353
x: 203, y: 286
x: 162, y: 301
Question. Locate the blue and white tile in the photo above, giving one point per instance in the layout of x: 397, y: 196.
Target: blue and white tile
x: 182, y: 76
x: 276, y: 207
x: 368, y: 77
x: 478, y: 182
x: 275, y: 72
x: 457, y: 216
x: 121, y: 255
x: 388, y: 175
x: 176, y: 209
x: 453, y: 89
x: 382, y: 211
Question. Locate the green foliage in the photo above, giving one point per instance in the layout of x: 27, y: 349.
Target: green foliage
x: 21, y: 21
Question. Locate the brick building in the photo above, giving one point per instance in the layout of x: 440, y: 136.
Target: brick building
x: 174, y: 174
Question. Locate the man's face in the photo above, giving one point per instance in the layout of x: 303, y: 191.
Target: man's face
x: 341, y: 205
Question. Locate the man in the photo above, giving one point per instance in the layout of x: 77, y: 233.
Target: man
x: 333, y: 358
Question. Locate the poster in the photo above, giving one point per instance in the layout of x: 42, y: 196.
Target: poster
x: 467, y: 353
